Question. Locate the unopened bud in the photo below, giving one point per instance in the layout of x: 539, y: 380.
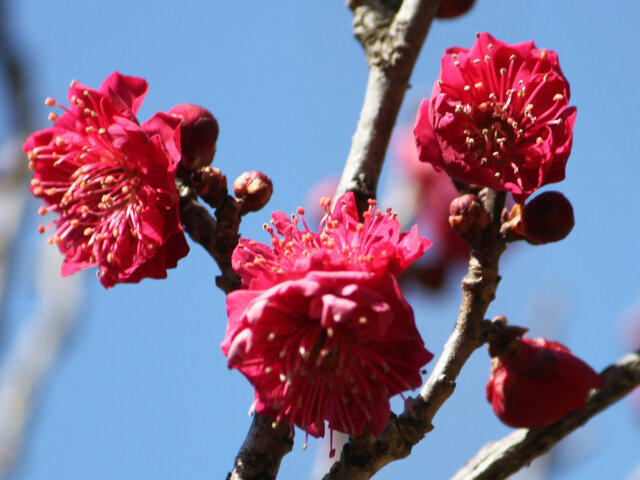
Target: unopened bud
x: 545, y: 219
x: 467, y: 216
x: 254, y: 189
x: 453, y: 8
x: 210, y: 185
x: 198, y: 135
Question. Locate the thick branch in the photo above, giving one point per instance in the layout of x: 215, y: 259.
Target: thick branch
x: 263, y: 449
x: 392, y: 44
x: 500, y: 459
x: 363, y: 456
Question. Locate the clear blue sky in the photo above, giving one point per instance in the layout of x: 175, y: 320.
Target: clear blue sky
x: 142, y: 390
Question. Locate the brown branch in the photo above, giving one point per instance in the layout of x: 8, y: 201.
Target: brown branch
x: 263, y: 449
x: 218, y: 238
x: 392, y: 42
x: 500, y: 459
x: 364, y: 456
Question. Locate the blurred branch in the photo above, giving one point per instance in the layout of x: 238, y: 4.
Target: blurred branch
x: 499, y: 460
x: 34, y: 351
x: 363, y: 456
x: 14, y: 169
x: 12, y: 69
x: 29, y: 358
x: 392, y: 38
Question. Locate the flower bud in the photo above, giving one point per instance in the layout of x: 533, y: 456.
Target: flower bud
x: 254, y: 189
x: 198, y: 135
x: 535, y: 382
x: 210, y: 185
x: 453, y: 8
x: 468, y: 217
x: 545, y: 219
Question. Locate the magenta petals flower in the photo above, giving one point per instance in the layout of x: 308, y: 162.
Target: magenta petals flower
x: 498, y: 116
x: 111, y: 181
x: 321, y: 329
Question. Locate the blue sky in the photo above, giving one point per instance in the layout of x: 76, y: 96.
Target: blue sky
x: 142, y: 390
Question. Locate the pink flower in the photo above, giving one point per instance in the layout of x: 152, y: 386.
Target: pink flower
x: 498, y: 116
x: 536, y: 382
x: 321, y: 329
x: 342, y: 243
x: 111, y: 181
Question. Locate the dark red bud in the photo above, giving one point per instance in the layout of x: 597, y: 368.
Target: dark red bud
x: 547, y: 218
x: 453, y: 8
x: 198, y: 135
x: 254, y: 189
x: 210, y: 185
x: 467, y: 216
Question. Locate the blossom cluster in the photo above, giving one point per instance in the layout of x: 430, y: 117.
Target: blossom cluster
x: 320, y: 327
x: 111, y: 181
x: 498, y: 116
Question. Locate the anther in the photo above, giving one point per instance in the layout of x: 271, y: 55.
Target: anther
x: 49, y: 102
x: 52, y: 116
x: 557, y: 97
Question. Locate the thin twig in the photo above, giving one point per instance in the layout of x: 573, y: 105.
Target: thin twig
x: 218, y: 238
x: 499, y: 460
x: 392, y: 42
x: 363, y: 456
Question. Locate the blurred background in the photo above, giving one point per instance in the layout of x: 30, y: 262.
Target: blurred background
x: 130, y: 382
